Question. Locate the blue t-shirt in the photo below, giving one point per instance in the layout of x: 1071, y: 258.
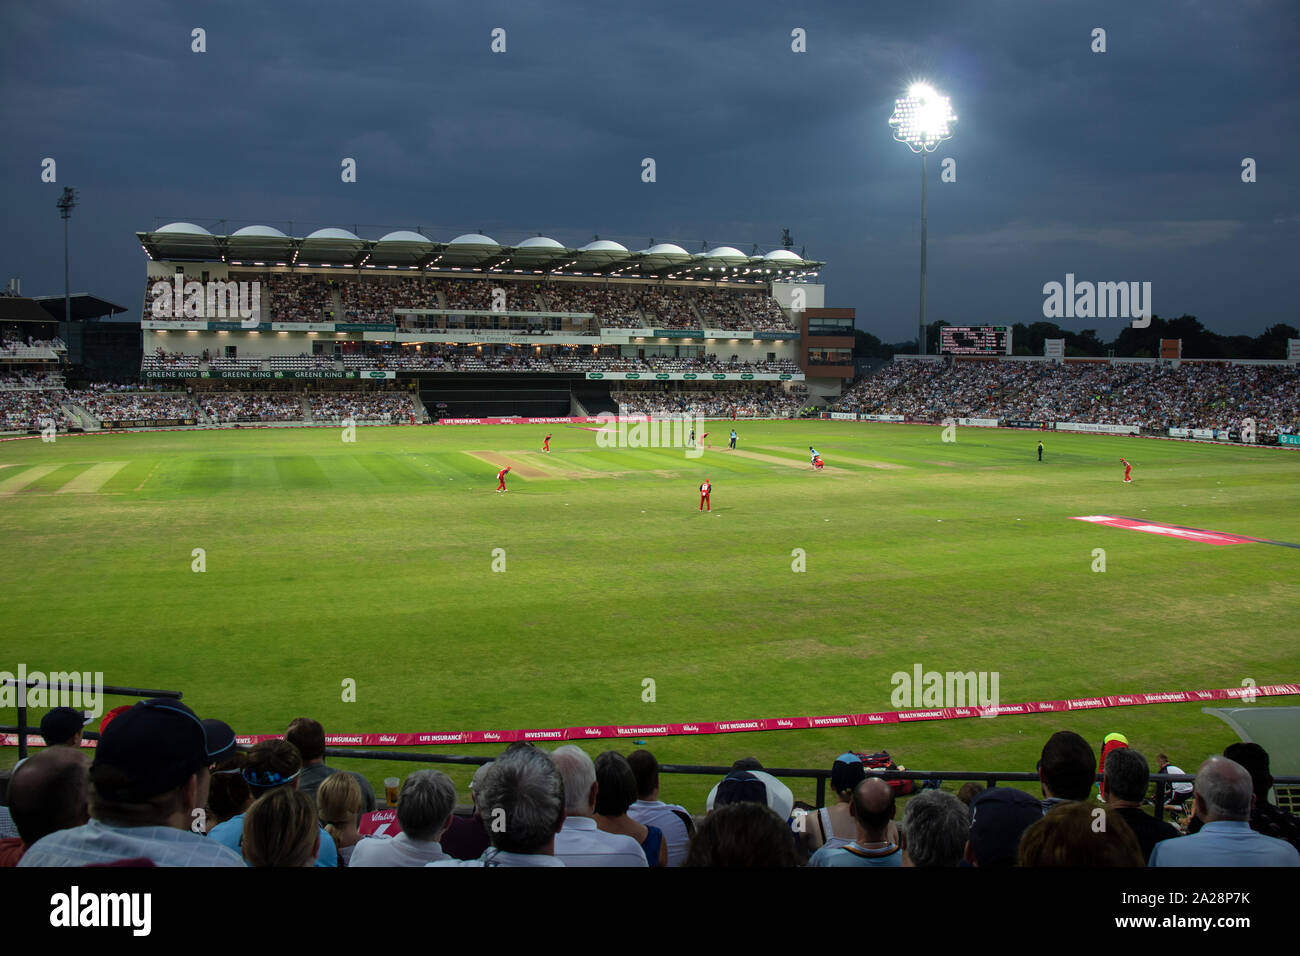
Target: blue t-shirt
x: 854, y: 855
x: 231, y: 833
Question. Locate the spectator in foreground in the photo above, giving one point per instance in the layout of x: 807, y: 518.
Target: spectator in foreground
x: 271, y: 764
x: 872, y: 807
x: 935, y: 830
x: 744, y: 834
x: 738, y: 785
x: 1127, y: 776
x: 48, y: 793
x: 228, y: 794
x: 835, y: 826
x: 581, y: 842
x: 676, y: 824
x: 280, y: 830
x: 522, y: 789
x: 615, y: 792
x: 338, y: 801
x: 1075, y: 834
x: 309, y: 737
x: 1066, y: 769
x: 466, y: 838
x: 1266, y: 818
x: 149, y: 776
x: 1112, y: 742
x: 7, y: 829
x: 222, y: 744
x: 999, y: 816
x: 424, y: 809
x: 969, y: 791
x: 62, y: 727
x: 1223, y: 801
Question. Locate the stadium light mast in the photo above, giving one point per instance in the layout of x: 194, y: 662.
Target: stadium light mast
x: 922, y: 120
x: 65, y: 204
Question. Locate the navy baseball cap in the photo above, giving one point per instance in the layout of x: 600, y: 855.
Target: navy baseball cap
x: 221, y: 740
x: 60, y: 724
x: 741, y: 786
x: 150, y: 749
x: 847, y: 772
x: 999, y: 816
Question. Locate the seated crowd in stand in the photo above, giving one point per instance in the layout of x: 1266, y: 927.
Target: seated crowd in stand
x: 126, y: 406
x: 1152, y: 396
x: 669, y: 309
x: 309, y: 297
x: 614, y: 306
x: 745, y: 401
x: 361, y: 406
x: 741, y: 310
x: 158, y: 769
x: 29, y: 409
x: 251, y: 407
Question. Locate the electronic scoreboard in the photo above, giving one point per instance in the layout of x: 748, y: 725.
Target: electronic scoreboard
x: 979, y: 340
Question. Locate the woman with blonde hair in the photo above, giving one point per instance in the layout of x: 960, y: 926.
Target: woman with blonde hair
x: 339, y: 801
x: 280, y: 829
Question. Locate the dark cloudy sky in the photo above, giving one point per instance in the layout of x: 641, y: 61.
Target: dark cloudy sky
x: 1122, y: 166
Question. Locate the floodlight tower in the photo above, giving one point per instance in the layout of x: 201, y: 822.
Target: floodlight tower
x: 922, y: 120
x: 65, y: 204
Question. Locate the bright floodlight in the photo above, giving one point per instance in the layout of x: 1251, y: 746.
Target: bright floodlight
x: 922, y: 119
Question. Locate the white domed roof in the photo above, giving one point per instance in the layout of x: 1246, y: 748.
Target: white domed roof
x: 186, y: 228
x: 666, y: 249
x: 261, y: 232
x: 782, y: 255
x: 334, y: 234
x: 725, y: 252
x: 540, y: 242
x: 473, y: 239
x: 603, y: 245
x: 404, y: 235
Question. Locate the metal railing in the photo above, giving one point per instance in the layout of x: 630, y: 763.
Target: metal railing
x: 60, y: 688
x: 987, y: 777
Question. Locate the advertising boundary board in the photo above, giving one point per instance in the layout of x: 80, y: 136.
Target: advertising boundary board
x: 593, y: 732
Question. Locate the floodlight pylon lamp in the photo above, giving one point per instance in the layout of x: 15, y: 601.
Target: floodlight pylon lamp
x: 922, y: 119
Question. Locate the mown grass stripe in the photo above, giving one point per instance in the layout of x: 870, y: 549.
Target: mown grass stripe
x: 92, y: 479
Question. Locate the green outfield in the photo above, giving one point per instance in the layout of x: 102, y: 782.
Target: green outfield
x: 372, y: 561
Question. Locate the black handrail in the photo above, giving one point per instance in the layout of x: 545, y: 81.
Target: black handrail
x: 990, y: 777
x: 60, y: 687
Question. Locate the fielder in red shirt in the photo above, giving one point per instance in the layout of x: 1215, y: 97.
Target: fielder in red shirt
x: 1128, y: 470
x: 546, y: 443
x: 501, y: 478
x: 704, y: 496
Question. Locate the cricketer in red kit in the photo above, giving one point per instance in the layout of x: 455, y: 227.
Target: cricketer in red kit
x: 704, y: 496
x: 546, y: 443
x: 501, y: 478
x: 1128, y: 470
